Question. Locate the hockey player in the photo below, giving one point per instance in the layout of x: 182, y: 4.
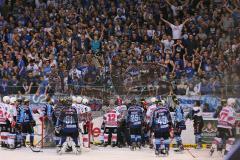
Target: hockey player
x: 86, y: 122
x: 27, y: 122
x: 179, y: 124
x: 18, y: 126
x: 12, y: 123
x: 149, y: 113
x: 161, y: 123
x: 226, y: 123
x: 134, y: 122
x: 56, y: 113
x: 4, y: 125
x: 110, y: 123
x: 195, y: 114
x: 121, y: 110
x: 67, y: 126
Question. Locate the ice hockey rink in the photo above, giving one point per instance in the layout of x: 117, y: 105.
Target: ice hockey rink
x: 100, y: 153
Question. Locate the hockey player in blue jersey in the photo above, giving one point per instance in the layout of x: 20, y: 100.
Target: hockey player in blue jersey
x: 67, y: 126
x: 179, y: 124
x: 48, y: 109
x: 135, y: 122
x: 160, y: 124
x: 26, y: 122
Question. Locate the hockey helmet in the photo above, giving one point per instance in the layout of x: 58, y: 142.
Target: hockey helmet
x: 153, y: 99
x: 13, y: 100
x: 6, y: 99
x: 231, y: 102
x: 74, y: 99
x: 85, y: 101
x: 19, y: 99
x: 26, y: 101
x: 176, y: 100
x: 118, y: 101
x: 79, y: 99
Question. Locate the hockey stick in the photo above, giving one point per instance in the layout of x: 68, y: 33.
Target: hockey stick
x: 188, y: 150
x: 40, y: 141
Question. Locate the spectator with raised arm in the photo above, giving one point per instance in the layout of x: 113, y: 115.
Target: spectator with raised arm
x: 176, y: 28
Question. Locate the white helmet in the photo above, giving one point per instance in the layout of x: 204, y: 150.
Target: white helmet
x: 79, y: 99
x: 13, y: 100
x: 153, y: 99
x: 231, y: 102
x: 163, y: 102
x: 6, y: 99
x: 88, y: 109
x: 74, y: 99
x: 85, y: 101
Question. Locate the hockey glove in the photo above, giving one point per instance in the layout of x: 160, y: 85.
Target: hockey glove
x: 57, y: 129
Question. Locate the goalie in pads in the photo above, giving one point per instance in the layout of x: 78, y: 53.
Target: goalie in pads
x: 67, y: 126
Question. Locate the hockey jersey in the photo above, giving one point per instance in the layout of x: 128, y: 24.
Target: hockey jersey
x: 68, y: 119
x: 25, y: 114
x: 135, y: 116
x: 56, y: 113
x: 4, y: 114
x: 12, y: 113
x: 179, y: 114
x: 149, y: 113
x: 111, y: 118
x: 122, y: 111
x: 227, y: 118
x: 48, y: 111
x: 161, y: 120
x: 84, y: 112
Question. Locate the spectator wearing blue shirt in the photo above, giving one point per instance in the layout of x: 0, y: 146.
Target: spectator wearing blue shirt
x: 96, y: 42
x: 21, y: 65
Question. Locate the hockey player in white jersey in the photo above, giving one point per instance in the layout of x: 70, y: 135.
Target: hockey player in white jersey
x: 12, y: 123
x: 110, y: 123
x: 226, y: 123
x: 149, y: 113
x: 85, y: 118
x: 4, y: 123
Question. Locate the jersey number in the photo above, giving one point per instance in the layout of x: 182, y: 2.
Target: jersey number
x: 162, y: 120
x: 135, y: 118
x: 111, y: 117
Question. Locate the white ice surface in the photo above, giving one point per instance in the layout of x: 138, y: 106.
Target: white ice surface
x: 99, y: 153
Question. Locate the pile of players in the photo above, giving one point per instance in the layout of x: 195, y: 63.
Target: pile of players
x: 69, y: 116
x: 138, y: 124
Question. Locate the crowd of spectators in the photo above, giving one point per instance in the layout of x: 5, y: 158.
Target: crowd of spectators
x: 62, y: 46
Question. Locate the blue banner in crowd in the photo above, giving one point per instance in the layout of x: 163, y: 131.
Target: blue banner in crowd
x: 187, y: 102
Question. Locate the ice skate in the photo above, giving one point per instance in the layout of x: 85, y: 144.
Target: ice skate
x: 139, y: 145
x: 199, y: 146
x: 59, y: 148
x: 212, y: 151
x: 179, y: 149
x: 76, y: 149
x: 133, y: 146
x: 157, y: 152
